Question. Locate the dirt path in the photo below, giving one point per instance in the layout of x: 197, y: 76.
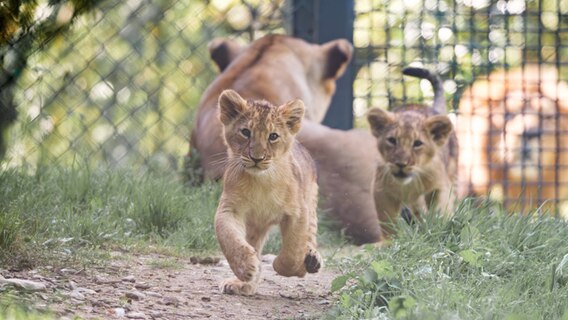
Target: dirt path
x: 162, y: 287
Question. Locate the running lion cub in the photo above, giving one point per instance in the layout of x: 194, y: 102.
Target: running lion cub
x: 419, y: 150
x: 269, y: 179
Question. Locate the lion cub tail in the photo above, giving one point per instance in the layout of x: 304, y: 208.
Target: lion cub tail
x: 439, y: 102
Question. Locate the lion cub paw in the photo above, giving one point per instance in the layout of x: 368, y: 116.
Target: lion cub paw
x: 248, y: 269
x: 313, y: 261
x: 236, y: 286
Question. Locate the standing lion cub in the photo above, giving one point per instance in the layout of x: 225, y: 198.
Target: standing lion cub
x: 419, y: 150
x: 269, y: 179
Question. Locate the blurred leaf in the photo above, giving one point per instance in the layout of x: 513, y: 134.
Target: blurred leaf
x: 339, y: 282
x: 469, y: 236
x: 471, y: 257
x: 383, y: 269
x: 369, y: 276
x: 399, y: 306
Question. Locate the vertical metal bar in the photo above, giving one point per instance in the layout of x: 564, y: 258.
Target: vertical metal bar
x: 320, y: 21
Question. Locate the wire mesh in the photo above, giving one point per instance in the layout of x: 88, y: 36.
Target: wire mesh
x: 504, y: 65
x: 121, y: 87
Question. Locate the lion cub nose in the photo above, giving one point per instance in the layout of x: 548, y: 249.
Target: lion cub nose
x: 257, y: 160
x: 400, y: 165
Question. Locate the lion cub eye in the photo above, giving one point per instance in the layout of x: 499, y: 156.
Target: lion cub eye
x: 245, y: 132
x: 273, y: 136
x: 391, y: 141
x: 417, y: 143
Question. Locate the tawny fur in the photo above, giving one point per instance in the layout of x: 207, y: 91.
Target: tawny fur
x: 270, y: 180
x: 419, y: 161
x: 513, y: 125
x: 278, y: 69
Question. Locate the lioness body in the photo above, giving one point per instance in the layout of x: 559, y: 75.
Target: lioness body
x: 419, y: 159
x: 269, y: 69
x: 267, y: 182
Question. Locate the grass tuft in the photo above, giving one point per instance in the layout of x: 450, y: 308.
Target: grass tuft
x: 59, y: 211
x: 481, y: 264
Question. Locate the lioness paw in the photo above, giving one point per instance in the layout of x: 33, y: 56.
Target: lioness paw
x: 312, y: 261
x: 236, y: 286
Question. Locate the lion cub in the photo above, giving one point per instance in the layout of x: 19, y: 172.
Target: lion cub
x: 269, y: 179
x: 419, y: 151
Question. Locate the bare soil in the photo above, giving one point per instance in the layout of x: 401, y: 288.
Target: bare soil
x: 153, y: 286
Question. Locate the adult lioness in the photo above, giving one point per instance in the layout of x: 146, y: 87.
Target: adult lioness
x: 514, y: 124
x: 269, y: 69
x: 270, y: 179
x: 419, y: 151
x: 275, y: 68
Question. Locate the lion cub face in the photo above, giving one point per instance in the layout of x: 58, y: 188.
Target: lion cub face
x: 257, y: 133
x: 408, y: 140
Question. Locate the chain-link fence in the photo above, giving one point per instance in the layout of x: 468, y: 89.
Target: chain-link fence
x: 121, y: 87
x: 504, y: 64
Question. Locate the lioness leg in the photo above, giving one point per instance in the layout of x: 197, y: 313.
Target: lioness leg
x: 298, y: 254
x: 242, y: 257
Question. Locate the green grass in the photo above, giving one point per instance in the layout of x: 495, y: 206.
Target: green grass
x: 59, y: 215
x: 61, y: 211
x: 482, y: 264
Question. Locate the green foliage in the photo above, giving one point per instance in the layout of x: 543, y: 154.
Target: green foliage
x: 129, y: 97
x: 65, y: 210
x: 14, y: 312
x: 481, y: 264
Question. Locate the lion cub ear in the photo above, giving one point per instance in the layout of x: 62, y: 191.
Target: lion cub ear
x: 439, y: 127
x: 379, y: 119
x: 292, y: 112
x: 223, y: 51
x: 231, y: 105
x: 338, y: 55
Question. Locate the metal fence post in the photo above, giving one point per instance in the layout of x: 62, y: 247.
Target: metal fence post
x: 320, y: 21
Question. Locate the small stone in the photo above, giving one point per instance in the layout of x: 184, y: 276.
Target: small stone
x: 135, y: 315
x: 101, y: 280
x: 155, y: 314
x: 205, y: 299
x: 268, y: 258
x: 99, y: 303
x: 135, y: 295
x: 129, y: 278
x: 293, y: 296
x: 204, y: 260
x: 119, y: 312
x: 171, y: 301
x: 153, y: 294
x: 68, y: 271
x: 23, y: 284
x: 85, y: 290
x: 142, y: 286
x: 76, y: 295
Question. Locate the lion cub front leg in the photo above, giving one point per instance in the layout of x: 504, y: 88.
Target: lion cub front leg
x: 444, y: 201
x: 299, y: 254
x: 388, y: 209
x: 242, y: 257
